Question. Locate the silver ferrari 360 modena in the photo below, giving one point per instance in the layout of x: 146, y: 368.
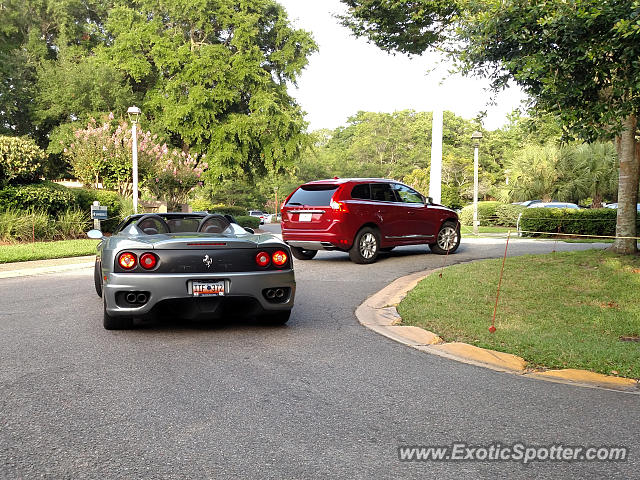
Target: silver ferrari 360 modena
x: 191, y: 265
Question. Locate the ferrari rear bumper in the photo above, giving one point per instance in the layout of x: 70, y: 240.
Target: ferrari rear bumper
x: 242, y: 289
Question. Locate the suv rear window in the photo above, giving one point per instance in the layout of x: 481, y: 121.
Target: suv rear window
x: 361, y: 191
x: 313, y: 195
x: 382, y: 192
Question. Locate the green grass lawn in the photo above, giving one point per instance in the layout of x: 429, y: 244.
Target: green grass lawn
x: 43, y: 250
x: 562, y: 310
x: 467, y: 230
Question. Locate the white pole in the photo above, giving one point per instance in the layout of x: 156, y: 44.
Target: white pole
x: 435, y: 177
x: 475, y: 190
x: 134, y: 134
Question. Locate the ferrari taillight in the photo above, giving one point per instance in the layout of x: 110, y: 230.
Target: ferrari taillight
x: 279, y: 258
x: 263, y: 259
x: 148, y: 261
x: 127, y: 260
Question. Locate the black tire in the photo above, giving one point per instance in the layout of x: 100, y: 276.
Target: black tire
x: 366, y: 246
x: 447, y: 240
x: 302, y: 254
x: 278, y: 318
x: 116, y: 323
x: 97, y: 277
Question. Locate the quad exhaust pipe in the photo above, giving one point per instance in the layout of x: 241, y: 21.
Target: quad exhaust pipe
x: 136, y: 298
x: 276, y: 295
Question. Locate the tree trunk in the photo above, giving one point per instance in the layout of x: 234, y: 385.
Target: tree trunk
x: 627, y: 189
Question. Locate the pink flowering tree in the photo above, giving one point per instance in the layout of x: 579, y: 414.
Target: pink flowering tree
x: 101, y: 152
x: 176, y: 176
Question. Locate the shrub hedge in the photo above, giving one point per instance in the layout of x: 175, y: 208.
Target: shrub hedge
x: 20, y: 160
x: 507, y: 214
x: 48, y: 197
x: 597, y: 221
x: 84, y: 198
x: 37, y: 225
x: 486, y: 214
x: 203, y: 205
x: 247, y: 221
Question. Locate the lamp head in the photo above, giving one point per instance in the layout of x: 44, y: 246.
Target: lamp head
x: 134, y: 114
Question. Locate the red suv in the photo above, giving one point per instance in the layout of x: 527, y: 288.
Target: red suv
x: 364, y: 216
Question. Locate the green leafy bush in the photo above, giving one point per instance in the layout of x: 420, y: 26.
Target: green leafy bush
x: 72, y: 223
x: 116, y: 205
x: 20, y: 160
x: 34, y: 225
x: 486, y: 214
x: 247, y: 221
x: 597, y: 221
x: 204, y: 205
x: 37, y: 225
x: 9, y: 220
x: 451, y: 197
x: 46, y: 196
x: 507, y: 214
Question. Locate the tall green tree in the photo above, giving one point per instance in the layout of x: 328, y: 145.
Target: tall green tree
x: 214, y: 77
x: 533, y: 173
x: 576, y: 59
x: 588, y: 171
x: 31, y: 33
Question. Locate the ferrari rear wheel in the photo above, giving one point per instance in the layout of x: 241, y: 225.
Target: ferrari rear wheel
x: 278, y: 318
x: 116, y: 323
x: 302, y: 254
x: 97, y: 277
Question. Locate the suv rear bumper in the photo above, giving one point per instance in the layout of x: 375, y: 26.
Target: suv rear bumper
x: 332, y: 239
x: 306, y: 245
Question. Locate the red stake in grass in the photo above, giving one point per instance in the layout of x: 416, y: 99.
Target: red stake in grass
x: 492, y: 328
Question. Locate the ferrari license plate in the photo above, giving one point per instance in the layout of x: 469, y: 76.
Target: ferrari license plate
x: 213, y: 288
x: 305, y: 217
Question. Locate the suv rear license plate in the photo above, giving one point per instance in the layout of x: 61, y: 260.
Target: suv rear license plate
x: 208, y: 289
x: 305, y: 217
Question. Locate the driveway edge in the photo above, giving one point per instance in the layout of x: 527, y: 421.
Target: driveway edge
x: 42, y: 267
x: 379, y: 313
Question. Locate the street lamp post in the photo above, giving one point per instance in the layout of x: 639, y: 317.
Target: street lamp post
x: 134, y: 116
x: 476, y: 136
x: 275, y: 190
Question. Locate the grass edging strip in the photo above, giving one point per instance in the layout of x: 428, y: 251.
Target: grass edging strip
x: 379, y: 313
x: 24, y: 252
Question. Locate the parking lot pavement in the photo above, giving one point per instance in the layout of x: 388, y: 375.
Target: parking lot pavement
x: 322, y: 397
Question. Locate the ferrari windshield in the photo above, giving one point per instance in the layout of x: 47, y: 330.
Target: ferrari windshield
x: 168, y: 223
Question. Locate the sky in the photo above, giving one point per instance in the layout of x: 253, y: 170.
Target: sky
x: 349, y: 74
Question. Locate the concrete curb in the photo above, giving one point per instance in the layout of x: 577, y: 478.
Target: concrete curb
x: 43, y: 267
x: 378, y: 313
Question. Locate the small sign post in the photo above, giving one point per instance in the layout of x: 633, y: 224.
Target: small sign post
x: 98, y: 212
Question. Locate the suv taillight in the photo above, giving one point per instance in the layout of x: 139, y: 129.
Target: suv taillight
x: 338, y: 206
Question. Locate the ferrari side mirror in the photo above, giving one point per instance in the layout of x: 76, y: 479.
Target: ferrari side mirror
x: 95, y: 234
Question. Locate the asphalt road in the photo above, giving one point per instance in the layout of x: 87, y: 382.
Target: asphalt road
x: 322, y: 397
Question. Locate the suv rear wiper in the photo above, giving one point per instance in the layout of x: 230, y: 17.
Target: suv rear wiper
x: 294, y: 203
